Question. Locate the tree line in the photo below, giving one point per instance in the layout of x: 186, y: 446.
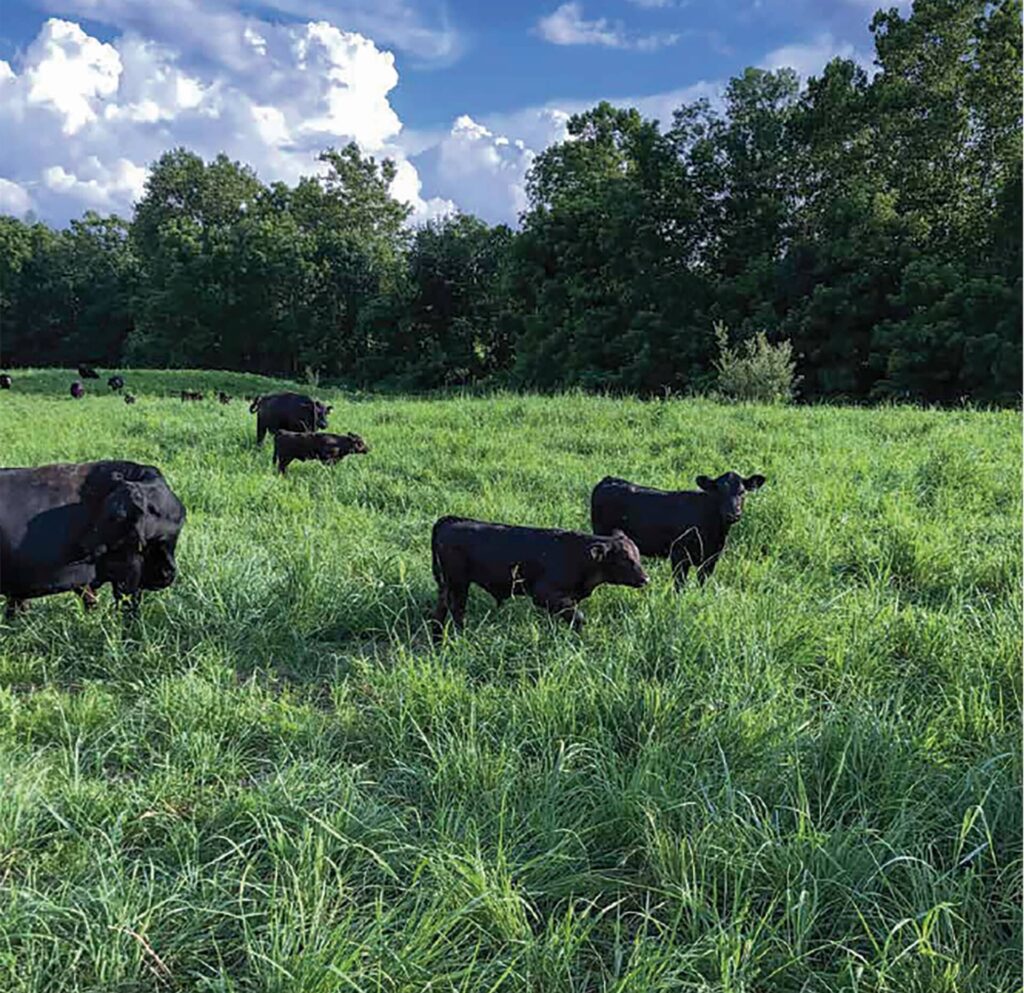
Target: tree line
x: 871, y: 220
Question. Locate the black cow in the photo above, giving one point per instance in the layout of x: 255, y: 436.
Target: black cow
x: 288, y: 412
x: 129, y: 398
x: 689, y: 528
x: 87, y: 372
x: 190, y: 395
x: 5, y: 381
x: 294, y: 446
x: 224, y: 397
x: 78, y: 526
x: 116, y: 383
x: 557, y: 569
x: 77, y: 390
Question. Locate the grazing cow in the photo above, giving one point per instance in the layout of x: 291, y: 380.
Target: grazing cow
x: 557, y: 569
x: 190, y: 395
x: 5, y: 381
x: 116, y: 383
x: 87, y: 372
x: 294, y: 446
x: 287, y: 412
x: 689, y: 528
x: 78, y: 526
x: 129, y: 398
x: 224, y: 397
x: 77, y: 390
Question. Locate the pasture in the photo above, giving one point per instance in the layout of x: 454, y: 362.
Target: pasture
x: 803, y: 777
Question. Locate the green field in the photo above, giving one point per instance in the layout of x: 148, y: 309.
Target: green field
x: 804, y: 777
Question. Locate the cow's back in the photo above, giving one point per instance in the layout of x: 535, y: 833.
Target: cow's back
x: 654, y: 519
x: 287, y: 411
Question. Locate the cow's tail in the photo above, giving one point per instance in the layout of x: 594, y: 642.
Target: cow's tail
x: 435, y: 554
x: 255, y: 405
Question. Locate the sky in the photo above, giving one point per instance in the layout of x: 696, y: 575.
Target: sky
x: 461, y: 94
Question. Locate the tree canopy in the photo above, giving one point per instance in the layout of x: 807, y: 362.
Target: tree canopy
x: 871, y: 219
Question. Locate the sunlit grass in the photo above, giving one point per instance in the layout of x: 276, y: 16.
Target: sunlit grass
x: 804, y: 777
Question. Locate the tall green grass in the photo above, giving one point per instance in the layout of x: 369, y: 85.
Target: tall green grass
x: 803, y: 777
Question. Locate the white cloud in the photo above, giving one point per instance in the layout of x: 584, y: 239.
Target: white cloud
x: 71, y: 73
x: 567, y: 26
x: 14, y: 199
x: 809, y: 58
x: 81, y: 120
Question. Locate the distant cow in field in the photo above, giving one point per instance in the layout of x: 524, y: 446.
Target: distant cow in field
x: 688, y: 527
x: 293, y: 446
x: 5, y: 381
x: 129, y: 398
x: 77, y: 390
x: 87, y: 372
x: 224, y: 397
x: 288, y: 412
x: 78, y: 526
x: 556, y: 569
x: 116, y: 383
x: 190, y: 395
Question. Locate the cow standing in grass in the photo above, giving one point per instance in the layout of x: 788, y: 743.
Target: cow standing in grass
x: 690, y: 528
x: 556, y: 569
x: 77, y: 526
x: 288, y: 412
x: 292, y: 446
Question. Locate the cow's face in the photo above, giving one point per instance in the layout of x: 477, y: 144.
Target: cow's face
x: 358, y: 446
x: 118, y: 522
x: 159, y: 568
x: 729, y: 491
x: 321, y: 415
x: 619, y: 559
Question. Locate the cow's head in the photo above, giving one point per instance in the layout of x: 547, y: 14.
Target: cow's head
x: 729, y: 492
x: 321, y: 415
x: 135, y: 533
x: 356, y: 444
x: 619, y: 559
x: 118, y: 522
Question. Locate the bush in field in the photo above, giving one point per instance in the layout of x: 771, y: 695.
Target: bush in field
x: 759, y: 371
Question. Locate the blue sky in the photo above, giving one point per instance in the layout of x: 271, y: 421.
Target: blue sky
x: 462, y: 94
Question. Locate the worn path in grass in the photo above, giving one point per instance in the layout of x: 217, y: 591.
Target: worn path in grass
x: 805, y: 777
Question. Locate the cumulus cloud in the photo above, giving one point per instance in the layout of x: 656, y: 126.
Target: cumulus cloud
x: 81, y: 120
x: 566, y: 25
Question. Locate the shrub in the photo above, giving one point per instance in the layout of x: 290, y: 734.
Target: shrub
x: 758, y: 370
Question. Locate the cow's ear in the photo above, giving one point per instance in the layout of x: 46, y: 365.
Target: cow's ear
x: 619, y: 533
x: 328, y: 409
x: 706, y: 483
x: 753, y: 482
x: 598, y: 552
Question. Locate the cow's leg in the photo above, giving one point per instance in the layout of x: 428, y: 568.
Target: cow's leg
x: 451, y: 601
x: 282, y: 466
x: 706, y: 569
x: 458, y: 595
x: 680, y: 565
x: 561, y: 607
